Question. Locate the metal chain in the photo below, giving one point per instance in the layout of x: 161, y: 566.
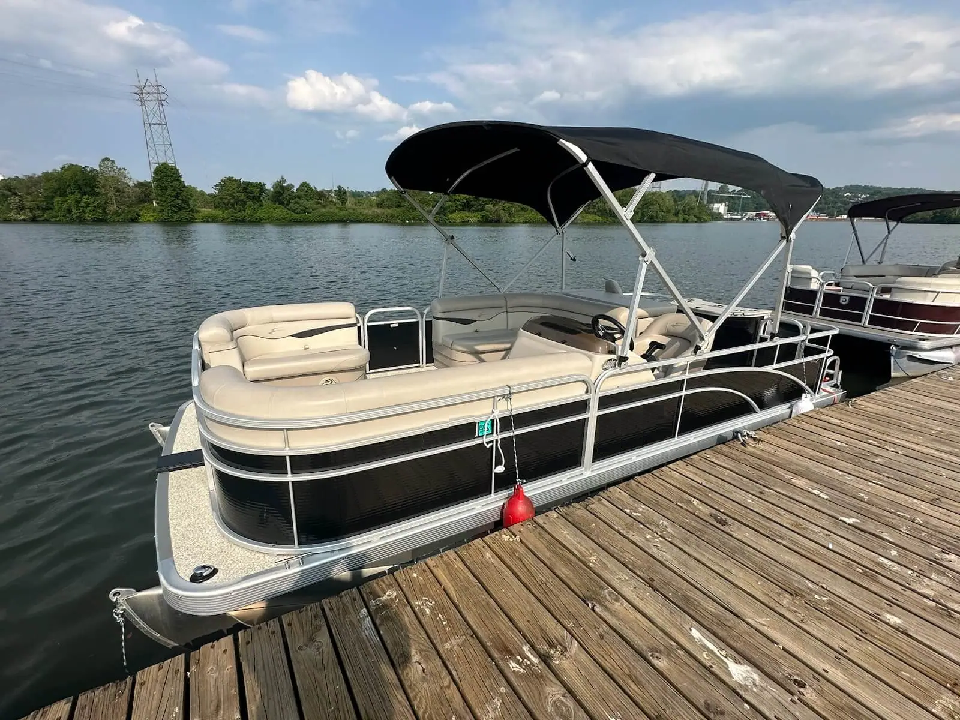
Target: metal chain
x: 118, y: 616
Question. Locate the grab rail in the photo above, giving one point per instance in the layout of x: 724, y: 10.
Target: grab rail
x: 365, y: 337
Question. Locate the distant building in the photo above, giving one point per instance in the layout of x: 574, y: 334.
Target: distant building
x: 719, y: 208
x: 2, y: 178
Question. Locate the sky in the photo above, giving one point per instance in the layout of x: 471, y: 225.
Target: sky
x: 323, y: 90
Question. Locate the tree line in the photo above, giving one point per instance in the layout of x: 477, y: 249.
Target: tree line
x: 107, y: 193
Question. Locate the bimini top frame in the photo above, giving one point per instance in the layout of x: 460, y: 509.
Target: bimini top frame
x: 895, y: 209
x: 558, y: 170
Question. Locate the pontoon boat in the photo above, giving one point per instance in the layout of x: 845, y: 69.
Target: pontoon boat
x: 321, y: 446
x: 902, y: 317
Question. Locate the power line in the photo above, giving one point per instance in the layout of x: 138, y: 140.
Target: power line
x: 88, y: 71
x: 62, y: 86
x: 152, y: 97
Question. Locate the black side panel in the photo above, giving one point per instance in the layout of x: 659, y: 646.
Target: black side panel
x: 388, y: 449
x: 702, y: 409
x: 255, y: 509
x: 428, y: 339
x: 352, y: 503
x: 393, y: 344
x: 355, y: 502
x: 624, y: 430
x: 628, y: 429
x: 766, y: 389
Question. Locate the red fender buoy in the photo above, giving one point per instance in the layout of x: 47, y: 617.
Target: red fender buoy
x: 517, y: 508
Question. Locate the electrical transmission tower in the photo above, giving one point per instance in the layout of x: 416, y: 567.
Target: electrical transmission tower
x: 704, y: 191
x: 152, y: 96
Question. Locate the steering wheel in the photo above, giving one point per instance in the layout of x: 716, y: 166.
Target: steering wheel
x: 607, y: 328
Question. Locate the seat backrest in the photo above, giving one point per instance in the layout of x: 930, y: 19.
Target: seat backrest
x: 804, y: 277
x: 467, y: 313
x: 523, y: 306
x: 887, y: 271
x: 950, y: 268
x: 676, y: 333
x: 940, y: 290
x: 225, y: 389
x: 235, y: 336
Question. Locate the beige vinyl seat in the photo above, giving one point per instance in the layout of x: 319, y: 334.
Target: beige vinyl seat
x: 950, y: 268
x: 226, y: 389
x: 483, y: 328
x: 301, y: 344
x: 677, y: 335
x: 882, y: 275
x: 943, y: 289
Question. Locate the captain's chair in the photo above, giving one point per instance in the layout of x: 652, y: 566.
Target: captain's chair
x: 671, y: 336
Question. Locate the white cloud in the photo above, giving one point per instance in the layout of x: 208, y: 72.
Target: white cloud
x: 917, y: 126
x: 426, y: 107
x: 347, y: 135
x: 246, y: 94
x: 345, y: 93
x: 381, y: 109
x: 401, y: 133
x: 101, y: 37
x: 246, y: 32
x: 806, y: 47
x: 317, y: 92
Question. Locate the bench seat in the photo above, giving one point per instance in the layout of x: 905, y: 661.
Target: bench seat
x: 301, y: 344
x: 343, y: 364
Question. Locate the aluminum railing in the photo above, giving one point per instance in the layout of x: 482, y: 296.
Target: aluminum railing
x: 872, y: 292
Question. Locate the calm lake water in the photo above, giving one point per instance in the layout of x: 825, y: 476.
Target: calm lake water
x: 95, y: 335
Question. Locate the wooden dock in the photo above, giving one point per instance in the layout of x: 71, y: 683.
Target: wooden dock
x: 813, y: 574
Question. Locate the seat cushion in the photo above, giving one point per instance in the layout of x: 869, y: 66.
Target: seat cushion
x: 482, y: 342
x: 305, y: 362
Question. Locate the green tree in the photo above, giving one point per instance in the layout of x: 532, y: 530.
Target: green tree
x: 341, y: 196
x: 657, y: 207
x: 282, y: 193
x: 173, y: 197
x: 115, y: 188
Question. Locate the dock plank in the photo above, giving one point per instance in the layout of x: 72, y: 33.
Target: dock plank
x: 583, y: 653
x: 867, y: 433
x: 59, y: 710
x: 483, y: 686
x: 376, y: 688
x: 431, y: 690
x: 782, y: 588
x: 646, y: 663
x: 319, y: 680
x: 809, y: 479
x: 533, y: 679
x: 924, y: 502
x: 837, y: 672
x: 859, y: 537
x: 158, y: 691
x: 870, y: 589
x: 214, y: 693
x: 109, y: 702
x: 720, y: 609
x: 266, y: 676
x: 920, y: 474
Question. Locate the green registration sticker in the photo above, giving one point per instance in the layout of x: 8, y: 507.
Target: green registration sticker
x: 485, y: 427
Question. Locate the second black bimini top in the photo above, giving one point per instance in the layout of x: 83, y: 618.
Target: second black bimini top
x: 523, y: 163
x: 897, y: 208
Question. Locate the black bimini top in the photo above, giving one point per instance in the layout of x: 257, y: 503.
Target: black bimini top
x: 897, y: 208
x: 523, y: 163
